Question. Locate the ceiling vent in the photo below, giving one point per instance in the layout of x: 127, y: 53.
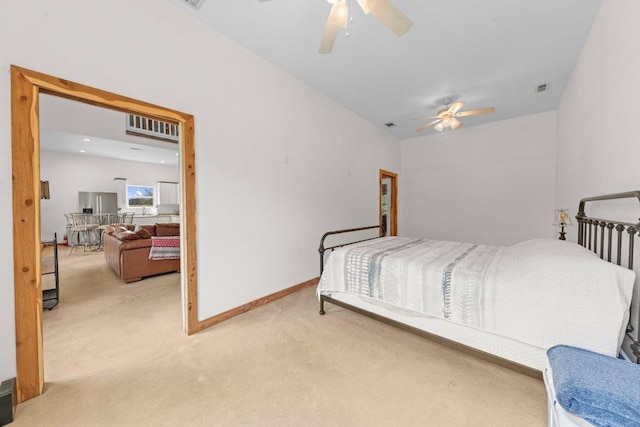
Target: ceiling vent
x: 542, y: 87
x: 152, y: 128
x: 195, y: 3
x: 389, y: 124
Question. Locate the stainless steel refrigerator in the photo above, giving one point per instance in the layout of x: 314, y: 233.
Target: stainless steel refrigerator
x: 97, y: 202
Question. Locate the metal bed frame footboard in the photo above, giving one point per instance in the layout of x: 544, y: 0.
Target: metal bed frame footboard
x: 597, y: 234
x: 322, y: 249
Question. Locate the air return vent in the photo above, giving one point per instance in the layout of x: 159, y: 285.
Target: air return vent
x: 151, y: 128
x: 541, y: 87
x: 194, y: 3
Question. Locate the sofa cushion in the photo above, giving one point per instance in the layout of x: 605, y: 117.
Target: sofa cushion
x: 125, y: 235
x: 150, y: 228
x: 135, y: 244
x: 170, y: 229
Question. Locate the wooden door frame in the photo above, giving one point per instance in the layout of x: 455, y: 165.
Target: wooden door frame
x: 393, y: 209
x: 26, y: 85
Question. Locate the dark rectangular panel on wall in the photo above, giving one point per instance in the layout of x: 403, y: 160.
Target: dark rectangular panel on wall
x: 7, y: 401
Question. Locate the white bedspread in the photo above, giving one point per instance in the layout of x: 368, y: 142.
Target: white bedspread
x: 540, y: 292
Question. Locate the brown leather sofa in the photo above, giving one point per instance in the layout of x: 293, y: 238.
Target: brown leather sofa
x: 129, y: 257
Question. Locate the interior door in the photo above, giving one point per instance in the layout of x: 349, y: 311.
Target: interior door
x: 389, y: 202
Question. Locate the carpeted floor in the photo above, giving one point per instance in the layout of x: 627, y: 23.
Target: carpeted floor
x: 115, y: 355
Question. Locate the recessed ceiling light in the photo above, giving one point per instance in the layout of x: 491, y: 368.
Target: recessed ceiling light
x: 177, y: 154
x: 86, y: 139
x: 161, y: 161
x: 83, y: 151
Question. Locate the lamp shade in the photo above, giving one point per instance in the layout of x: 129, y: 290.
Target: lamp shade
x: 562, y: 217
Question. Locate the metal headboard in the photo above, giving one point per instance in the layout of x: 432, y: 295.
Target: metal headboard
x: 592, y: 235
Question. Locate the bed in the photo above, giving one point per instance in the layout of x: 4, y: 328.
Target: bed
x: 504, y: 304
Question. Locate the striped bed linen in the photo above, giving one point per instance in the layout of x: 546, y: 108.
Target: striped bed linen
x: 540, y: 292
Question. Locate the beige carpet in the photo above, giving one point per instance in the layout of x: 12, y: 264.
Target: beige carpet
x: 115, y: 356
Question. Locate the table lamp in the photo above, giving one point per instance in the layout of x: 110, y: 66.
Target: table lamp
x: 562, y: 219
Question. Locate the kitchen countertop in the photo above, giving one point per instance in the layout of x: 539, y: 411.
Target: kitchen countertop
x: 148, y: 219
x: 150, y: 215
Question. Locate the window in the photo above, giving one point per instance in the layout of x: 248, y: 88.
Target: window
x: 140, y: 195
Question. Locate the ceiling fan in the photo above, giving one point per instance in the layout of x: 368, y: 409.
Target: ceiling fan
x: 448, y: 117
x: 384, y: 11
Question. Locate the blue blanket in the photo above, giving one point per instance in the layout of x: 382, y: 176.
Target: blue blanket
x: 603, y: 390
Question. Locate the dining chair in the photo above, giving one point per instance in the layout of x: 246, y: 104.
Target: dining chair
x: 72, y: 234
x: 105, y: 221
x: 127, y: 217
x: 86, y: 228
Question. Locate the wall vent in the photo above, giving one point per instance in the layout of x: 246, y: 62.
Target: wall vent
x: 194, y: 3
x: 152, y: 128
x: 541, y: 88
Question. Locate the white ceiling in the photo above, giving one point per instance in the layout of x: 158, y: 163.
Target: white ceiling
x: 484, y: 52
x: 89, y: 145
x: 65, y: 125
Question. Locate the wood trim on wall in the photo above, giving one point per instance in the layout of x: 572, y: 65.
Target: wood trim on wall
x: 393, y: 220
x: 25, y: 164
x: 26, y: 85
x: 256, y: 303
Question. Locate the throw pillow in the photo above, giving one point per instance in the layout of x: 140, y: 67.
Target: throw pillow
x: 142, y: 232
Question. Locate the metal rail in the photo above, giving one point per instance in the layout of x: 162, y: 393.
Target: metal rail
x: 322, y: 249
x: 588, y: 238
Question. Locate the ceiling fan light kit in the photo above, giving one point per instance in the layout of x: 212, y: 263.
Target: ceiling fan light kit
x: 447, y: 118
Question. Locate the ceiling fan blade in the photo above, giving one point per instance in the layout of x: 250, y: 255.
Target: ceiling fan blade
x: 337, y: 18
x: 328, y: 38
x: 453, y: 108
x: 425, y: 117
x: 339, y: 13
x: 475, y: 112
x: 427, y: 125
x: 443, y: 113
x: 455, y: 123
x: 388, y: 14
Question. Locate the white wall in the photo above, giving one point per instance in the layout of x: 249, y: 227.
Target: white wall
x: 70, y: 173
x: 598, y: 128
x: 491, y: 184
x: 277, y: 163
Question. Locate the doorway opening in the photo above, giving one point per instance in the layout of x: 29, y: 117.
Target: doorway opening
x: 26, y: 86
x: 389, y: 202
